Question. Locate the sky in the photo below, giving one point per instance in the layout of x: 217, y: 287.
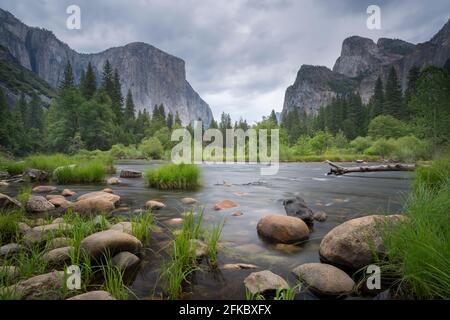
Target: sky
x: 240, y: 55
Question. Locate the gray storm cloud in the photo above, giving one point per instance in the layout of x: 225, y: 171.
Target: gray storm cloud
x: 240, y: 55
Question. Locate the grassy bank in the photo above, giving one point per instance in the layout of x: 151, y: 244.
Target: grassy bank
x: 84, y: 167
x: 174, y: 177
x: 418, y: 251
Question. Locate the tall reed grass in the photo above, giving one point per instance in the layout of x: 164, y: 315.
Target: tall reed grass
x: 174, y: 177
x: 418, y: 250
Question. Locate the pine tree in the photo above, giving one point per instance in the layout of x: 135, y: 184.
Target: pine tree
x: 170, y: 120
x: 108, y: 79
x: 393, y: 104
x: 129, y: 106
x: 5, y: 122
x: 89, y: 83
x: 213, y: 124
x: 377, y: 100
x: 35, y: 117
x: 82, y: 79
x: 447, y: 67
x: 116, y: 97
x: 68, y: 81
x: 273, y: 117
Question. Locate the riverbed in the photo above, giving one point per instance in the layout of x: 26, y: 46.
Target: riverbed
x: 341, y: 198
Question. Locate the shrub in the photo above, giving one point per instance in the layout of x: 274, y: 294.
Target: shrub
x: 361, y: 144
x: 174, y: 177
x: 387, y: 127
x: 382, y: 147
x: 151, y: 148
x: 410, y: 149
x: 321, y: 142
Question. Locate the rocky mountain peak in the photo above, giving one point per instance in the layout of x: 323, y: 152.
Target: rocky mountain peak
x: 361, y: 62
x: 153, y: 76
x: 443, y: 36
x: 395, y: 46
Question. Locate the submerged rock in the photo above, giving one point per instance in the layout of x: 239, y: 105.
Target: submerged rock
x: 189, y: 201
x: 237, y: 214
x: 225, y: 204
x: 4, y: 184
x: 113, y: 181
x: 238, y: 266
x: 94, y: 295
x: 201, y: 249
x: 297, y: 208
x: 155, y: 205
x: 44, y: 189
x: 68, y: 193
x: 7, y: 202
x: 130, y: 174
x: 320, y: 216
x: 111, y: 241
x: 174, y: 222
x: 324, y: 279
x: 282, y: 229
x: 108, y: 190
x: 264, y: 282
x: 352, y: 245
x: 37, y: 204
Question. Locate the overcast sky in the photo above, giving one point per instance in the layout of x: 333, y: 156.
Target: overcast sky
x: 240, y: 55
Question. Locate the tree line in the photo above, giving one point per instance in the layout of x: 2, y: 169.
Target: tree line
x: 89, y: 115
x: 423, y: 110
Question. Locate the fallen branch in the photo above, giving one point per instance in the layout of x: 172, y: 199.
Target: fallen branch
x: 339, y: 170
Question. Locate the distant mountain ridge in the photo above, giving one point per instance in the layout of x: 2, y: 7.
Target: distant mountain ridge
x: 358, y: 67
x: 153, y: 76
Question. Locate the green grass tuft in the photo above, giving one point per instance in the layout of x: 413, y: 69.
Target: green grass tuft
x: 9, y: 229
x: 174, y: 177
x: 141, y: 225
x: 92, y: 172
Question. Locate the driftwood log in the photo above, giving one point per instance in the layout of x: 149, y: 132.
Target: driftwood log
x: 339, y: 170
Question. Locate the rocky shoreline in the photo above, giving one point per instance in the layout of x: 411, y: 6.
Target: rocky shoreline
x: 346, y: 249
